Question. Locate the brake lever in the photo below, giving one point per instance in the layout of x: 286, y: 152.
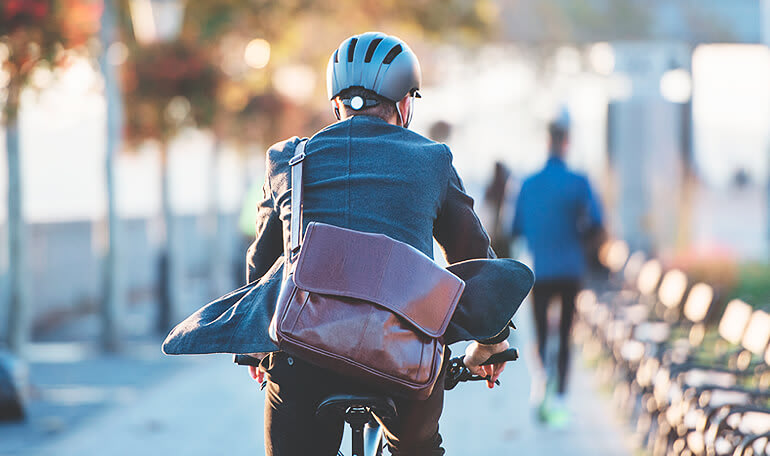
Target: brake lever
x: 480, y: 378
x: 457, y: 372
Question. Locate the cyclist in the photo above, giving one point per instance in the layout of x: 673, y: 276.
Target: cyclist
x: 367, y: 172
x: 556, y: 212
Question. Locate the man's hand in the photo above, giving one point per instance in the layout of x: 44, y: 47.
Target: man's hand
x: 477, y: 353
x: 255, y: 372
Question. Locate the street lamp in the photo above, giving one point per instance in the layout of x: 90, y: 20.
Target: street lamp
x: 156, y: 20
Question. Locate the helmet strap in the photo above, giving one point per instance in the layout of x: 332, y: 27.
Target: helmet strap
x: 358, y: 103
x: 337, y: 112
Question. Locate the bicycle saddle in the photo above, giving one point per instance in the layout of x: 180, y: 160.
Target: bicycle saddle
x: 338, y: 404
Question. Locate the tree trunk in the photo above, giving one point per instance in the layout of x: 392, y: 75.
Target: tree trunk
x: 18, y: 311
x: 112, y: 294
x: 170, y: 262
x: 218, y: 259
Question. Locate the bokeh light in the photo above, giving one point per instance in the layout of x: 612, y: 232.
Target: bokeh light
x: 117, y: 53
x: 616, y: 255
x: 672, y: 288
x: 676, y: 86
x: 5, y: 52
x: 757, y: 334
x: 234, y: 97
x: 80, y: 76
x: 734, y: 321
x: 649, y: 276
x: 257, y: 53
x: 602, y: 58
x: 698, y: 301
x: 296, y: 82
x: 178, y: 109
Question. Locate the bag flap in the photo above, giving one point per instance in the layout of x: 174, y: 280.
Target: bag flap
x: 373, y: 267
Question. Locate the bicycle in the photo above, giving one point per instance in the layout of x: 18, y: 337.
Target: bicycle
x: 363, y: 413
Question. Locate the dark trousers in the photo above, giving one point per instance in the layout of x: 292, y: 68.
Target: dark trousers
x: 294, y: 390
x: 543, y: 292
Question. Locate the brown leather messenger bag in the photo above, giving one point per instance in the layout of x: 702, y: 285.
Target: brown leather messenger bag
x: 362, y: 304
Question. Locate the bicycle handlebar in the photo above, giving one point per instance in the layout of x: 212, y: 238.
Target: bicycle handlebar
x: 246, y: 360
x: 511, y: 354
x: 456, y: 371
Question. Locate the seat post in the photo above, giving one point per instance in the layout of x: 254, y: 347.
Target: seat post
x: 357, y: 417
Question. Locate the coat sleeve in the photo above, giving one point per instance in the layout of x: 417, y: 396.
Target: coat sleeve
x: 457, y: 228
x: 592, y: 208
x: 460, y: 234
x: 268, y: 245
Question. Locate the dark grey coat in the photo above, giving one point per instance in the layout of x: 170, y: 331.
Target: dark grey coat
x: 368, y: 175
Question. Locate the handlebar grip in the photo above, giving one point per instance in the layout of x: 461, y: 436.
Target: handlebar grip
x: 246, y: 360
x: 511, y: 354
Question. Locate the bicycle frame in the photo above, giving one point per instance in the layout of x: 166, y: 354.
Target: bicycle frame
x: 366, y: 433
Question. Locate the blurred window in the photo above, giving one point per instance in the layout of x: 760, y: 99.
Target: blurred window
x: 731, y: 111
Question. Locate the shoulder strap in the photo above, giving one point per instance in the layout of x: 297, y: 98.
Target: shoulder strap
x: 296, y: 196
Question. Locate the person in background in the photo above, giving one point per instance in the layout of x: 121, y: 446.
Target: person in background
x: 492, y: 210
x: 557, y: 213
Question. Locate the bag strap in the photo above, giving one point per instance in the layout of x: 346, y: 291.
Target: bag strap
x: 296, y: 196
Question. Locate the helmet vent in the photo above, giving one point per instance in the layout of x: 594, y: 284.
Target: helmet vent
x: 337, y: 56
x: 352, y: 49
x: 392, y: 54
x: 370, y: 50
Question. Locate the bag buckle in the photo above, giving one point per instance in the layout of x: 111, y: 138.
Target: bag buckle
x: 296, y: 159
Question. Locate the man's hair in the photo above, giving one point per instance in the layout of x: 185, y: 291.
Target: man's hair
x: 385, y: 110
x: 558, y: 134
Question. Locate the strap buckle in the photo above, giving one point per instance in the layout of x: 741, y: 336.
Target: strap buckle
x: 296, y: 159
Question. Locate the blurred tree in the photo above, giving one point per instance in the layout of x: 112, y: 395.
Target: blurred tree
x: 112, y: 54
x: 167, y: 87
x: 34, y: 34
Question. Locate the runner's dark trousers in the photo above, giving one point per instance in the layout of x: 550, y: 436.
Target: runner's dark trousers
x: 543, y: 292
x: 294, y: 390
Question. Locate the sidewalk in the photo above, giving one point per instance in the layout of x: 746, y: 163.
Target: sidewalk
x: 150, y: 404
x: 212, y: 407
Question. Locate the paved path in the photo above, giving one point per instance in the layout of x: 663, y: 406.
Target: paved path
x: 212, y: 407
x: 207, y: 406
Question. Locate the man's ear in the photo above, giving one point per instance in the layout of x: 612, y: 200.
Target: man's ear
x: 404, y: 107
x: 337, y: 108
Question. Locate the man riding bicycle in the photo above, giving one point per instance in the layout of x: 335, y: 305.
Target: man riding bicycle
x: 366, y: 172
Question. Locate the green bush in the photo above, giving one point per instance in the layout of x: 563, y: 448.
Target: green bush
x: 752, y: 285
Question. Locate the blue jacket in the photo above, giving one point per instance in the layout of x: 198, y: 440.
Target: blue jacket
x: 368, y: 175
x: 555, y: 210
